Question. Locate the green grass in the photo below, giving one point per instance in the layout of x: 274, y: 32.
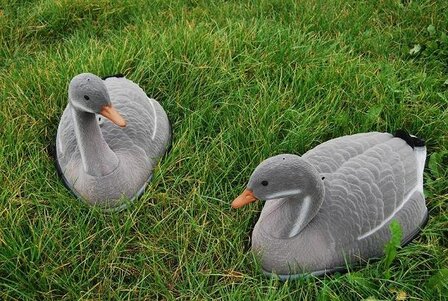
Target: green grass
x: 241, y: 81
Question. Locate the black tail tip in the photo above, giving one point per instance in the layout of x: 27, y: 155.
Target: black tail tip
x: 412, y: 141
x: 115, y: 75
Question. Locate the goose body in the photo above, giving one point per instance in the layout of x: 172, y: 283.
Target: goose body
x: 333, y: 205
x: 102, y: 162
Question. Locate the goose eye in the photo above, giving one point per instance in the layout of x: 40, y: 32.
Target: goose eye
x: 264, y: 183
x: 86, y: 97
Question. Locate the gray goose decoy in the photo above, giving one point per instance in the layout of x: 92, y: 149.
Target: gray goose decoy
x: 106, y: 161
x: 334, y: 204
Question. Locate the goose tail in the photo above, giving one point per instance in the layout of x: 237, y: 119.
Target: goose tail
x: 115, y: 75
x: 413, y: 141
x: 420, y: 154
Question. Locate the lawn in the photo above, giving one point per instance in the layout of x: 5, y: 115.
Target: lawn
x: 240, y: 81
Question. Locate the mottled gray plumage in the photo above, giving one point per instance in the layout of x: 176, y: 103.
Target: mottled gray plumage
x: 101, y: 162
x: 334, y: 204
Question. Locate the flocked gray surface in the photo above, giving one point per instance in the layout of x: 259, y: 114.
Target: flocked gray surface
x: 99, y: 178
x: 310, y: 224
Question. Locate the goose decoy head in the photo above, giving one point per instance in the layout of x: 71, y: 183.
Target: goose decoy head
x: 88, y: 93
x: 277, y: 177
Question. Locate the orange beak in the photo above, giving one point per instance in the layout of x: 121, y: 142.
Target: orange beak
x: 110, y: 113
x: 243, y: 199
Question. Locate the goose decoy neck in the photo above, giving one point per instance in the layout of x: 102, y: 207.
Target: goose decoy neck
x: 299, y: 209
x: 88, y: 96
x: 291, y: 180
x: 97, y: 157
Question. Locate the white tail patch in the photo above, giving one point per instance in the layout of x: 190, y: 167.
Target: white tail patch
x: 420, y: 155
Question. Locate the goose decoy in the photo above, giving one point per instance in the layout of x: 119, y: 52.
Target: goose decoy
x: 109, y: 139
x: 333, y: 205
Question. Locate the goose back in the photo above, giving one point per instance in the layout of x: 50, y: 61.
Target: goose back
x: 368, y: 178
x: 148, y: 126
